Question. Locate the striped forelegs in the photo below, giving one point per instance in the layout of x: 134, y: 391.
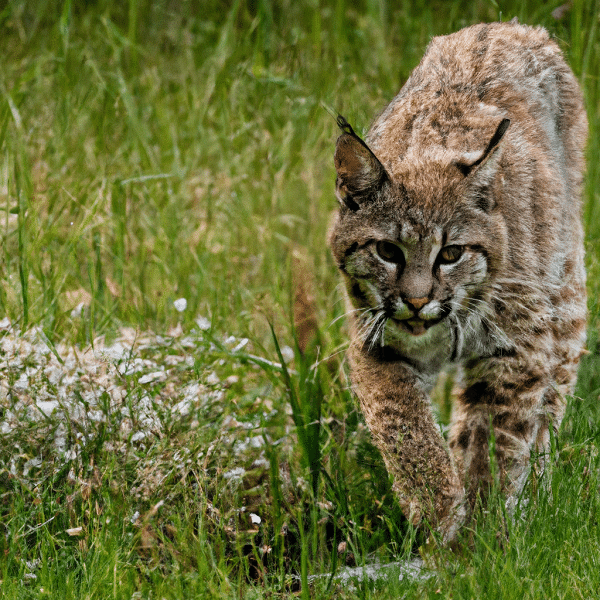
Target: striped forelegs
x: 398, y: 413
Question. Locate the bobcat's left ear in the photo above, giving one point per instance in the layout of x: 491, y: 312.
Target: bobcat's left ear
x: 472, y: 161
x: 359, y: 172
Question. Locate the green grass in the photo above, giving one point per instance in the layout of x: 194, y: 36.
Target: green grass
x: 151, y: 151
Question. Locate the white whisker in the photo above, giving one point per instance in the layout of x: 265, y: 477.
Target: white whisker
x: 348, y: 313
x: 376, y: 330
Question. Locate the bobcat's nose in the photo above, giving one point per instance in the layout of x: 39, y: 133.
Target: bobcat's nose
x: 417, y: 303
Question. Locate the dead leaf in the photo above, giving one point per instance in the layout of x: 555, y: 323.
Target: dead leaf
x: 74, y: 298
x: 113, y: 287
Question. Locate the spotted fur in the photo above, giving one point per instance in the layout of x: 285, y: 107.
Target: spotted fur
x: 460, y: 241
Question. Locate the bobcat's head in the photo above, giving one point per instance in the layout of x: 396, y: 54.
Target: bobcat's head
x: 418, y: 247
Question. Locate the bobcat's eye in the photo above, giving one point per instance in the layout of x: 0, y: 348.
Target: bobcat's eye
x: 390, y: 252
x: 450, y: 254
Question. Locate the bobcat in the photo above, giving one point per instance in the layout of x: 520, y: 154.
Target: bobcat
x: 460, y: 242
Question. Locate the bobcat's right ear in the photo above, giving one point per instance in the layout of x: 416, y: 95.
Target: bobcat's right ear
x: 471, y: 162
x: 359, y: 172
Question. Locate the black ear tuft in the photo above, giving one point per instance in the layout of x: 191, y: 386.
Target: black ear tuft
x: 466, y: 168
x: 348, y: 130
x: 500, y: 131
x: 344, y: 125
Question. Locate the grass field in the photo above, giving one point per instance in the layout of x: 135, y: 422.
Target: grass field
x: 152, y: 447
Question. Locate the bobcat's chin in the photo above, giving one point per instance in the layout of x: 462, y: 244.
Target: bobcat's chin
x: 415, y: 326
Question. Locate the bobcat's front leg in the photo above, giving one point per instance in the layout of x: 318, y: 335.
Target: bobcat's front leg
x: 398, y: 413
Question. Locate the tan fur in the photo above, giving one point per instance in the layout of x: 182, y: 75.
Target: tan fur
x: 460, y: 241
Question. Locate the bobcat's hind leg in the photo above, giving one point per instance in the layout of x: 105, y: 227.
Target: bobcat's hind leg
x: 507, y: 405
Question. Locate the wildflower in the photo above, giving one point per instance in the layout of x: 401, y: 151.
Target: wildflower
x: 180, y: 304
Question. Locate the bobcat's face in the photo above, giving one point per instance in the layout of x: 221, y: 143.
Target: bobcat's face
x: 407, y: 278
x: 417, y: 252
x: 414, y: 280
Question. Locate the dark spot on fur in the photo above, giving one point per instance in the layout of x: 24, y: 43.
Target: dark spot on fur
x: 482, y: 51
x: 455, y: 111
x: 522, y: 428
x: 410, y: 123
x: 351, y: 250
x: 501, y: 440
x: 480, y: 438
x: 483, y: 33
x: 479, y: 467
x: 500, y: 419
x: 482, y: 393
x: 358, y: 293
x: 471, y: 363
x: 474, y: 393
x: 563, y: 376
x: 550, y: 398
x: 530, y: 382
x: 463, y: 439
x: 569, y: 266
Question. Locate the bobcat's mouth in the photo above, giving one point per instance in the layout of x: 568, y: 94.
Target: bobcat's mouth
x: 416, y: 326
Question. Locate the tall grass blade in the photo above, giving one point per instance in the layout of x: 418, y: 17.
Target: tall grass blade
x: 306, y: 412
